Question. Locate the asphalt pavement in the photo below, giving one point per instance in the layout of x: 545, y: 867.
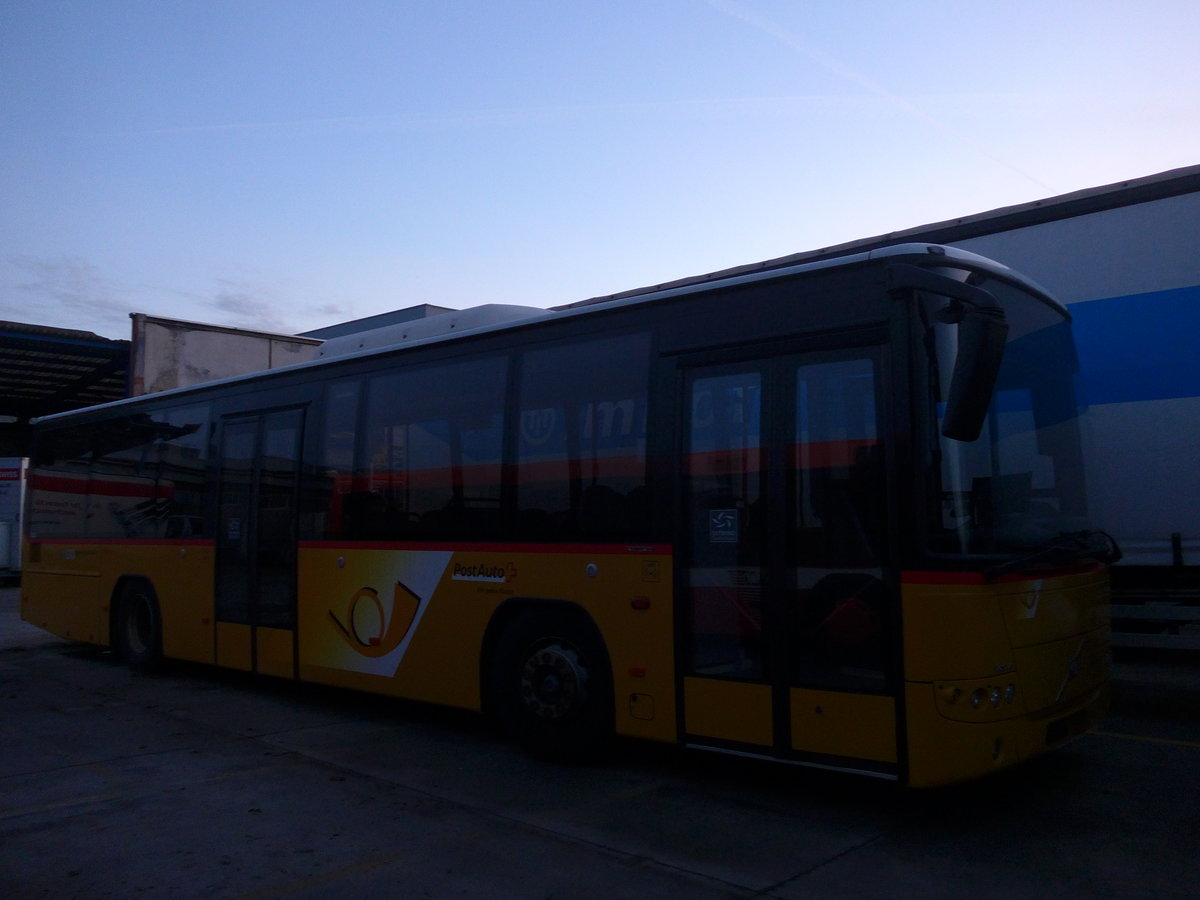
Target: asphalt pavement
x: 198, y: 782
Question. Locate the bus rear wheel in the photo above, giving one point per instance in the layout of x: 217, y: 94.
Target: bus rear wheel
x: 550, y: 684
x: 138, y: 625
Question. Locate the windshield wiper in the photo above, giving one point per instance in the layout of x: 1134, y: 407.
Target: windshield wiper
x: 1070, y: 546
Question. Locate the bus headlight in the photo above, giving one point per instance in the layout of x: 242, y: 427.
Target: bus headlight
x: 977, y: 700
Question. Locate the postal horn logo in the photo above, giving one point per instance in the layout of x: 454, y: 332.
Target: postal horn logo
x: 368, y: 628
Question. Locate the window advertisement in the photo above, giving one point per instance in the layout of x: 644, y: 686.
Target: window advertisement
x: 129, y: 477
x: 58, y: 485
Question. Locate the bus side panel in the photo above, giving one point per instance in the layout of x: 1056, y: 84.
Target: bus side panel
x: 69, y: 587
x: 835, y: 723
x: 65, y: 601
x: 182, y: 576
x: 728, y: 711
x: 411, y: 622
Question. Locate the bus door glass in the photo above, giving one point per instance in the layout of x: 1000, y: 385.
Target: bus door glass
x: 837, y: 527
x: 783, y: 605
x: 256, y: 541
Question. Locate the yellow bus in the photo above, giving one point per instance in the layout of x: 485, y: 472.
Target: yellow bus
x: 830, y: 514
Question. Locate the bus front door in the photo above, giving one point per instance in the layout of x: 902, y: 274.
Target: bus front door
x: 784, y: 606
x: 255, y: 606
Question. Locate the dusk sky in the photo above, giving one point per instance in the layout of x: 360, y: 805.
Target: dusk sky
x: 287, y: 164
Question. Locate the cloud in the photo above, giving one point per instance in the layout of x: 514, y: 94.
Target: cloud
x: 248, y: 306
x: 68, y: 292
x: 258, y: 306
x: 71, y: 292
x: 652, y: 111
x: 836, y: 67
x: 330, y: 310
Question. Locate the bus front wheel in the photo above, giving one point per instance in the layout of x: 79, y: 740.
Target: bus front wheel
x: 550, y: 683
x: 138, y: 625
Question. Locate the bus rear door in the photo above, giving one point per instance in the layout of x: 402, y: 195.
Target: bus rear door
x: 255, y: 604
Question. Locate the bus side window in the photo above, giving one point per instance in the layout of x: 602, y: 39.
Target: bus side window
x: 58, y: 484
x: 581, y: 442
x: 182, y: 453
x: 428, y: 464
x: 337, y: 496
x: 146, y: 477
x: 122, y: 498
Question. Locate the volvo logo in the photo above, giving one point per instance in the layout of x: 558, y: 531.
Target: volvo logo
x: 1072, y: 672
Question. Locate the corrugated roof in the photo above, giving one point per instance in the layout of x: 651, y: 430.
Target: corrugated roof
x: 45, y: 370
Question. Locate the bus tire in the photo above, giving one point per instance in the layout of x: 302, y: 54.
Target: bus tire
x: 138, y: 625
x: 550, y: 683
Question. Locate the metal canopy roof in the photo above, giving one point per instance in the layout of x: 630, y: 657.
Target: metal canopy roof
x: 47, y: 370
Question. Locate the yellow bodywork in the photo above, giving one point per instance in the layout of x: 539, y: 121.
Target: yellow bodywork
x: 1033, y: 655
x: 830, y: 723
x: 403, y: 622
x: 834, y: 723
x: 728, y: 711
x: 411, y: 621
x: 67, y: 588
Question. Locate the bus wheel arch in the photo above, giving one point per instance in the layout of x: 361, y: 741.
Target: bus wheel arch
x: 547, y: 679
x: 136, y: 622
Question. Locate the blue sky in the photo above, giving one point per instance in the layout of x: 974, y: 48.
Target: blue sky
x: 288, y: 164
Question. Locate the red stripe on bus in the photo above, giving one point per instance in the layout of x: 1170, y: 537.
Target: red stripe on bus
x: 622, y: 549
x: 1082, y: 568
x: 843, y: 454
x: 942, y: 578
x: 98, y: 487
x: 131, y: 542
x: 1034, y: 574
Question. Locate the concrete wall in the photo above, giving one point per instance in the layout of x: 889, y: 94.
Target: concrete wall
x: 168, y: 353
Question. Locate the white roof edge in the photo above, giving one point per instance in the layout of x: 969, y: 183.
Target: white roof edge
x: 521, y: 315
x: 458, y: 321
x: 922, y: 248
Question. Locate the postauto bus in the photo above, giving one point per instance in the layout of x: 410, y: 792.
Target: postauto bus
x: 831, y: 514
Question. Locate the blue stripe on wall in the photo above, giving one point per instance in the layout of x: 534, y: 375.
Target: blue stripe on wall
x: 1139, y: 347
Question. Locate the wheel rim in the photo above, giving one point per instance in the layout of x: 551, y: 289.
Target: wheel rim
x: 553, y: 682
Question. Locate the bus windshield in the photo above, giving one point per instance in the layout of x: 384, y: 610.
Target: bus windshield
x: 1018, y: 486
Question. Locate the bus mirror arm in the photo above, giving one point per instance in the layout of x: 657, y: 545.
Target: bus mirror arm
x: 982, y: 334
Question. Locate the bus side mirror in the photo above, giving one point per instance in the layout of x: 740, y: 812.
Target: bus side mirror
x: 982, y: 333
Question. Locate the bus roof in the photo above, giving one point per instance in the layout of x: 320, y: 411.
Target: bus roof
x: 461, y: 324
